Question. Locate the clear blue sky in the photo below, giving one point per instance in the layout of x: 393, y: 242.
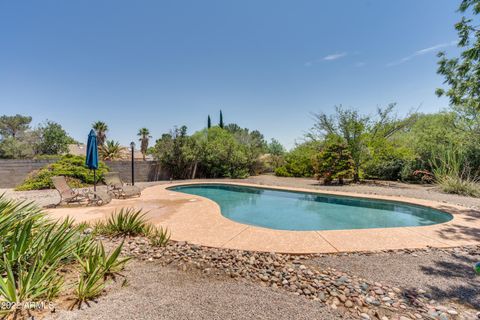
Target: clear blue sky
x: 266, y: 63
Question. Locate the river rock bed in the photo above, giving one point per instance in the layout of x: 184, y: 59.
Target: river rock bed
x: 292, y: 273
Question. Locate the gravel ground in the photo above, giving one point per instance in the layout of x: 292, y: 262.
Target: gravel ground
x: 155, y: 292
x: 447, y: 275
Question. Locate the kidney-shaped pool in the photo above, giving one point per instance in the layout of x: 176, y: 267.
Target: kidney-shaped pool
x: 292, y: 210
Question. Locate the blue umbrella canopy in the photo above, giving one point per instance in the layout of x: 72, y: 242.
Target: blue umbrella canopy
x: 91, y: 160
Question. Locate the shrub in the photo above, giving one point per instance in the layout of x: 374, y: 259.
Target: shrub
x: 385, y: 169
x: 416, y: 171
x: 221, y: 155
x: 299, y: 161
x: 127, y: 222
x: 464, y: 186
x: 334, y: 162
x: 72, y: 167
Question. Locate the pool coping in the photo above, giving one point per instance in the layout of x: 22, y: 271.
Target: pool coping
x: 198, y: 220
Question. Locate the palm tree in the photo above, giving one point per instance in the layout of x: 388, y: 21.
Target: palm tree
x: 101, y: 128
x: 111, y: 150
x: 144, y: 135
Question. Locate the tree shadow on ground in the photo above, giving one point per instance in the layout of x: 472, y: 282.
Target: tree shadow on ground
x: 459, y: 269
x: 465, y: 284
x: 456, y: 231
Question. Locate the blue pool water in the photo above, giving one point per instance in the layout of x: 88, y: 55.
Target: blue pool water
x: 289, y: 210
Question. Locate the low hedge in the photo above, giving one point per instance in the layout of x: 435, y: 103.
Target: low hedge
x: 72, y: 167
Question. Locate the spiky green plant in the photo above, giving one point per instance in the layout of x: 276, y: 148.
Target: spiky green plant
x: 111, y: 150
x: 110, y: 263
x: 126, y: 222
x: 97, y: 266
x: 158, y: 236
x: 90, y: 285
x: 33, y: 249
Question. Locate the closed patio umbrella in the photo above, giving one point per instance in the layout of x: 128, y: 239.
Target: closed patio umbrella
x: 91, y: 160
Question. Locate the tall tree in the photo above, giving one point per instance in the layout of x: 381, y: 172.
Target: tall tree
x: 12, y: 126
x: 351, y: 127
x: 275, y: 148
x: 101, y: 128
x: 220, y: 123
x: 359, y: 131
x: 209, y: 122
x: 334, y: 161
x: 144, y: 135
x: 462, y: 74
x: 172, y: 150
x: 53, y: 139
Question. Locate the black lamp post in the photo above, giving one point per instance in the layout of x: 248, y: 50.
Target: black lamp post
x: 132, y: 146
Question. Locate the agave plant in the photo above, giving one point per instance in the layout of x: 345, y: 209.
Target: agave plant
x: 111, y: 150
x: 126, y: 222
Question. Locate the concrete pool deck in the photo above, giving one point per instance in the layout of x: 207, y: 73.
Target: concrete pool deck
x: 199, y: 221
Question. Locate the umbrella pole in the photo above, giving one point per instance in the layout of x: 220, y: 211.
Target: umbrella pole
x: 94, y: 180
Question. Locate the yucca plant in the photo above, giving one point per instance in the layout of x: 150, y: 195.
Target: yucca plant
x: 14, y: 213
x: 97, y: 266
x: 33, y: 249
x: 31, y: 282
x: 158, y: 236
x: 90, y: 285
x: 58, y: 241
x: 84, y: 246
x: 110, y: 264
x: 126, y: 222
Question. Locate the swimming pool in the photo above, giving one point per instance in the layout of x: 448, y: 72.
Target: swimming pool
x: 302, y: 211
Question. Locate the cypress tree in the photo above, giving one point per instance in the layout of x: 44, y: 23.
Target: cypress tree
x: 220, y: 123
x: 209, y: 122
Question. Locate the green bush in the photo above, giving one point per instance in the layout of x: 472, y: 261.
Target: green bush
x: 416, y: 171
x: 299, y: 161
x: 385, y: 169
x: 334, y: 162
x: 72, y: 167
x: 221, y: 155
x: 232, y: 152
